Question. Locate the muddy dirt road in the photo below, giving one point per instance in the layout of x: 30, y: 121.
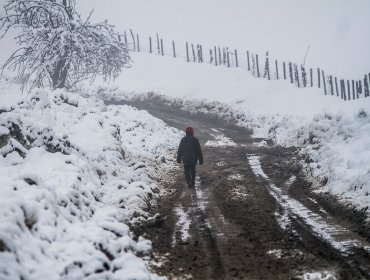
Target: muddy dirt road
x: 251, y: 214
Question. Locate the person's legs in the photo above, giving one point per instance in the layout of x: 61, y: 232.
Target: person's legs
x: 187, y: 173
x: 193, y: 174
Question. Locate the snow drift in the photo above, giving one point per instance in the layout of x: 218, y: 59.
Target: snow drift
x: 75, y: 173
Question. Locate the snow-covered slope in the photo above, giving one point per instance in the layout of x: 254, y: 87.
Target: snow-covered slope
x: 177, y: 78
x: 74, y: 173
x: 334, y: 133
x: 337, y: 32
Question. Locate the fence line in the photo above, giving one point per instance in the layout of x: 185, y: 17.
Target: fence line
x: 294, y: 73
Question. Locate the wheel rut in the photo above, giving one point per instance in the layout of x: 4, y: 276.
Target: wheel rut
x: 251, y: 215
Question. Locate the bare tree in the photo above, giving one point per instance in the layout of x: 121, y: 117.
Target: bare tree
x: 59, y: 49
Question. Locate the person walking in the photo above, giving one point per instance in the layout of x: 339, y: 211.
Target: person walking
x: 189, y: 152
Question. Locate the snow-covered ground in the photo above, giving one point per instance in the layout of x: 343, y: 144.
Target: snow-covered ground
x: 333, y: 134
x: 74, y: 174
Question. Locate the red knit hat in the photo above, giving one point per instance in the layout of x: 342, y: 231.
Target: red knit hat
x: 189, y: 130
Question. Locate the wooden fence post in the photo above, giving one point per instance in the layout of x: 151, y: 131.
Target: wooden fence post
x: 344, y: 89
x: 138, y: 43
x: 366, y: 86
x: 360, y: 86
x: 284, y: 70
x: 291, y: 73
x: 357, y: 90
x: 248, y: 63
x: 318, y: 77
x: 150, y: 45
x: 296, y: 75
x: 304, y: 76
x: 192, y: 47
x: 348, y: 90
x: 267, y: 67
x: 162, y: 50
x: 236, y: 58
x: 253, y: 66
x: 133, y: 39
x: 187, y: 51
x: 323, y: 81
x: 216, y: 56
x: 174, y: 49
x: 331, y: 84
x: 353, y: 89
x: 201, y: 53
x: 227, y: 58
x: 341, y: 89
x: 277, y: 70
x: 311, y: 77
x: 336, y: 86
x: 125, y: 36
x: 258, y: 68
x: 158, y: 45
x: 219, y: 56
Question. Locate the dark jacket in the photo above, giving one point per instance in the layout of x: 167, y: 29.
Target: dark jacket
x: 189, y: 151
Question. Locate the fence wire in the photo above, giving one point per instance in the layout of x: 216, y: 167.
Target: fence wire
x: 258, y: 66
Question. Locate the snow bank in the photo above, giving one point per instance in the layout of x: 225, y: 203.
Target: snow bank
x: 338, y: 150
x: 74, y: 175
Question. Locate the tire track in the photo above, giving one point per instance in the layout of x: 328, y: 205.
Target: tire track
x: 340, y: 238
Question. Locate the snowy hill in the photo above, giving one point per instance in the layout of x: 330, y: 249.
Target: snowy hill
x: 332, y: 133
x: 74, y: 174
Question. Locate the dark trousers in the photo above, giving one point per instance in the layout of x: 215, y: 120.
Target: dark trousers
x: 189, y: 171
